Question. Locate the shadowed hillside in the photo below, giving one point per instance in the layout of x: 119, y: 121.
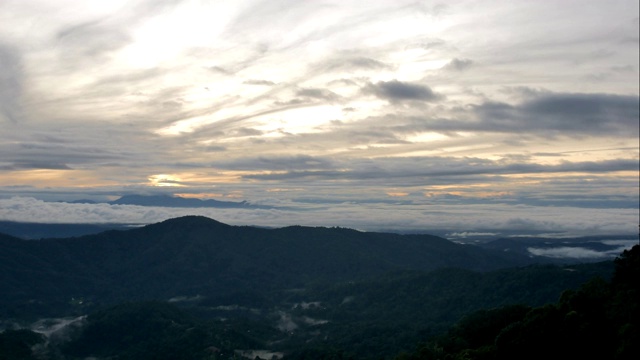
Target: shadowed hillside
x: 300, y: 291
x: 192, y: 256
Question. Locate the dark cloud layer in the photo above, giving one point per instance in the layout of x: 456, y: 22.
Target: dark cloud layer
x: 385, y: 169
x: 548, y: 115
x: 595, y: 114
x: 34, y: 165
x: 459, y: 64
x: 297, y: 162
x: 395, y: 90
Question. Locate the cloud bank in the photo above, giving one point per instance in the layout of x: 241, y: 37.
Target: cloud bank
x: 372, y: 217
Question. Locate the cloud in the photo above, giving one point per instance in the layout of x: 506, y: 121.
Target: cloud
x: 343, y: 101
x: 588, y: 112
x: 548, y: 115
x: 62, y: 150
x: 11, y: 80
x: 459, y: 64
x: 367, y: 63
x: 322, y: 94
x: 431, y: 44
x: 275, y: 163
x: 247, y: 132
x: 374, y: 216
x: 351, y: 63
x: 90, y: 40
x: 35, y: 165
x: 427, y: 167
x: 128, y: 77
x: 569, y: 252
x: 259, y: 82
x: 220, y: 70
x: 395, y: 90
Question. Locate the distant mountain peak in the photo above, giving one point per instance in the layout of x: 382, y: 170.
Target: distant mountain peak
x: 177, y: 201
x: 191, y: 221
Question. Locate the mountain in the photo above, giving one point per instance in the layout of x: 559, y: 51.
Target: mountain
x: 197, y: 256
x: 188, y: 286
x: 562, y: 250
x: 599, y: 320
x: 180, y: 202
x: 43, y: 230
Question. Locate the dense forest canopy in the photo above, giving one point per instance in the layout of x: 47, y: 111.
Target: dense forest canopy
x: 194, y: 288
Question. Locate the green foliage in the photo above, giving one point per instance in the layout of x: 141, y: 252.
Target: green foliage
x: 153, y: 330
x: 194, y: 255
x: 598, y: 320
x: 347, y: 294
x: 373, y: 319
x: 17, y: 344
x: 383, y: 316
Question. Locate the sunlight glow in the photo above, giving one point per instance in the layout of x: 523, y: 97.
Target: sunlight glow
x: 297, y: 121
x: 163, y: 180
x: 166, y: 36
x: 397, y: 193
x: 44, y: 178
x: 426, y: 137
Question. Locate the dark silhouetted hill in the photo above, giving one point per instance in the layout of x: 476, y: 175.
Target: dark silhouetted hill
x: 192, y: 284
x: 42, y: 230
x: 194, y: 255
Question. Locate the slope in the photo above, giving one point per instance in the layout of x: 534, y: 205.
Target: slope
x: 194, y: 255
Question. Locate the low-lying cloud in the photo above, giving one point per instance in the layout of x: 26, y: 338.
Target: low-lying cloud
x: 374, y: 216
x: 575, y: 252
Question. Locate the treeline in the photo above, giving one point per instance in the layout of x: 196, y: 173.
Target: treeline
x: 600, y: 320
x: 378, y: 318
x: 150, y: 330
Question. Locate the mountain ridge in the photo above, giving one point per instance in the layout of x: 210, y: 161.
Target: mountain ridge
x: 196, y: 255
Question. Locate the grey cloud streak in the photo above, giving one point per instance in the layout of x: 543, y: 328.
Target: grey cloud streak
x: 276, y: 163
x: 259, y: 82
x: 459, y: 64
x: 24, y: 165
x: 546, y: 115
x: 318, y: 94
x: 349, y: 63
x: 90, y: 40
x: 395, y: 90
x: 566, y: 113
x: 11, y: 83
x: 389, y: 168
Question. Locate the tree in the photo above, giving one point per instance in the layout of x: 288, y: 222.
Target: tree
x: 17, y: 344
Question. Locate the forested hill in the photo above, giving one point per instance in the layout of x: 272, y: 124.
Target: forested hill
x: 194, y: 255
x: 193, y: 288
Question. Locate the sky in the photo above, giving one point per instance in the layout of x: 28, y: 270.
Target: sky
x: 474, y: 115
